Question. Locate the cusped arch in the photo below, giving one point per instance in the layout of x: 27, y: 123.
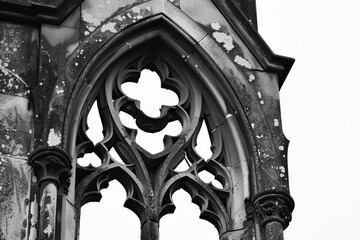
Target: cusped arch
x: 229, y: 124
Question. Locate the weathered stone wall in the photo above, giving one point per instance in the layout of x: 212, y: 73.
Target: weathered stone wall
x: 19, y: 46
x: 43, y: 63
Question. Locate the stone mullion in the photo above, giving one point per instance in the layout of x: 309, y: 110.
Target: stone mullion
x: 274, y: 231
x: 52, y: 167
x: 150, y: 230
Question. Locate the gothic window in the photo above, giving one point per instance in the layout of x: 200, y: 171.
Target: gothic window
x: 151, y: 173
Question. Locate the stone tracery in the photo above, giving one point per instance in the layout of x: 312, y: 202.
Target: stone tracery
x: 153, y: 198
x: 224, y: 76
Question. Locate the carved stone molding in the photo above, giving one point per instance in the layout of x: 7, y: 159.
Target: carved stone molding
x: 271, y: 207
x: 51, y: 164
x: 38, y: 11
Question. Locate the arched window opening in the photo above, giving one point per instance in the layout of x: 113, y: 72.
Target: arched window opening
x: 152, y: 97
x: 149, y: 92
x: 150, y: 129
x: 108, y: 219
x: 95, y: 127
x: 203, y: 142
x: 115, y: 155
x: 89, y: 160
x: 185, y: 222
x: 208, y: 177
x: 151, y: 142
x: 183, y: 165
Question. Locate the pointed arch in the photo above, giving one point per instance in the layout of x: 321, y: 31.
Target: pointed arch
x: 220, y: 100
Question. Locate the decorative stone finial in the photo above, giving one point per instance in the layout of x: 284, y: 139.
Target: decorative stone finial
x: 51, y: 164
x: 275, y: 206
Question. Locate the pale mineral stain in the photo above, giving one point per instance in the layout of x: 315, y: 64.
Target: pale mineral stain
x: 136, y: 10
x: 276, y: 122
x: 33, y: 219
x: 216, y: 26
x: 242, y: 62
x: 48, y: 230
x: 251, y: 78
x: 91, y: 29
x: 88, y: 17
x: 54, y: 138
x: 224, y: 38
x: 110, y: 26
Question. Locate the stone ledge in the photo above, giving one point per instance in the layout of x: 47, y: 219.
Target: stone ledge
x: 38, y: 11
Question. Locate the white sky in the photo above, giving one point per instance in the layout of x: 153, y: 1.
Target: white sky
x: 320, y: 111
x: 321, y: 118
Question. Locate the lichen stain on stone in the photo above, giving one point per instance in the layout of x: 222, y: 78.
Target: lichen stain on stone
x: 228, y: 43
x: 11, y: 82
x: 48, y: 230
x: 282, y: 171
x: 110, y: 26
x: 216, y: 26
x: 227, y: 40
x: 59, y: 89
x: 54, y: 138
x: 133, y: 15
x: 251, y: 78
x: 117, y: 23
x: 95, y: 12
x: 242, y: 62
x: 276, y: 122
x: 88, y: 17
x: 33, y: 219
x: 48, y: 211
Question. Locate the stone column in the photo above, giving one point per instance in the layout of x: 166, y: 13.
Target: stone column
x: 52, y: 167
x: 150, y: 230
x: 273, y: 214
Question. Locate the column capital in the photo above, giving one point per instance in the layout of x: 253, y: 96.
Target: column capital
x: 273, y: 206
x: 51, y: 164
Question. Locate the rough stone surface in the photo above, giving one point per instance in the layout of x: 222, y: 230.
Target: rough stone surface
x: 15, y: 125
x: 57, y: 43
x: 213, y: 22
x: 19, y: 46
x: 47, y: 220
x: 36, y: 12
x: 15, y: 180
x: 205, y: 51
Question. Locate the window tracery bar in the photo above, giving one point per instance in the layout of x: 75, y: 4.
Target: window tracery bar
x: 150, y: 179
